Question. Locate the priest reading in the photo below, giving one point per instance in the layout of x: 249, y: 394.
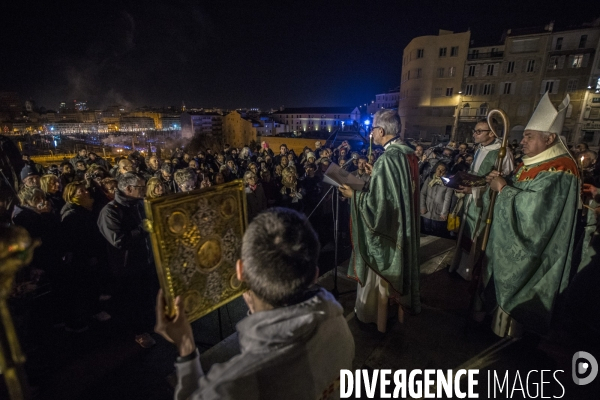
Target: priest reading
x: 531, y: 241
x: 385, y: 228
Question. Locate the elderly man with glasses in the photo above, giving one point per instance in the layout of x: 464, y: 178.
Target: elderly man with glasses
x: 468, y: 244
x: 385, y: 228
x: 130, y: 256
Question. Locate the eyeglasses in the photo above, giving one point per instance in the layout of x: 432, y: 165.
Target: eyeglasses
x: 138, y: 186
x: 480, y: 131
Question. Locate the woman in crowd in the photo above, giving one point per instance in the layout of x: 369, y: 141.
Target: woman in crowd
x: 291, y: 196
x: 34, y: 214
x: 50, y: 184
x: 435, y: 202
x: 270, y: 187
x: 155, y: 188
x: 255, y: 195
x: 284, y: 163
x: 109, y: 187
x: 85, y: 268
x: 219, y: 178
x: 253, y: 167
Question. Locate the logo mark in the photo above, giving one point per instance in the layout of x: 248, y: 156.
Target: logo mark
x: 584, y: 363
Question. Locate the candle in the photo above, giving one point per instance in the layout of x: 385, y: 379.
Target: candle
x: 582, y: 166
x: 370, y: 143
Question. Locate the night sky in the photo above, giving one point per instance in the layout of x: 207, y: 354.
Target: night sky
x: 237, y: 54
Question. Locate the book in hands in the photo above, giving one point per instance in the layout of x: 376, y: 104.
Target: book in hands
x: 337, y: 176
x: 464, y: 179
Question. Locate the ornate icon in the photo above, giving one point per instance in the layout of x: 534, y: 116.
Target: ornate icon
x: 196, y: 240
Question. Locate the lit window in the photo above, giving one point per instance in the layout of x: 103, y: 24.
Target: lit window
x: 451, y: 71
x: 577, y: 61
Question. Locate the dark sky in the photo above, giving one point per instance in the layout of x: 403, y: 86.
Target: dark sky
x: 236, y: 54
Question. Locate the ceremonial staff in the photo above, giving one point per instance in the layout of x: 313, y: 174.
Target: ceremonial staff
x: 16, y: 251
x: 498, y: 167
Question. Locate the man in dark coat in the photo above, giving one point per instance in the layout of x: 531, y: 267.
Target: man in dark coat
x: 130, y: 256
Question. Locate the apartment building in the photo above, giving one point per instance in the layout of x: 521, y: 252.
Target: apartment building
x: 432, y: 73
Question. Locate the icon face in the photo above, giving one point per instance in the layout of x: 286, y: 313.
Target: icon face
x: 583, y: 363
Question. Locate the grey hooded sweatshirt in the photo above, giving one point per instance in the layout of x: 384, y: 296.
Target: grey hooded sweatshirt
x: 293, y: 352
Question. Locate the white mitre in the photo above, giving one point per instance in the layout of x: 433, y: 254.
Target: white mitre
x: 546, y: 118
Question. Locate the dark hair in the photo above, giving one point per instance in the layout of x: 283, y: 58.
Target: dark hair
x: 62, y: 164
x: 435, y: 167
x: 280, y: 250
x: 495, y: 126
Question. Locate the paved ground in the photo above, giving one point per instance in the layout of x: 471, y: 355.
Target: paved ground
x: 101, y: 365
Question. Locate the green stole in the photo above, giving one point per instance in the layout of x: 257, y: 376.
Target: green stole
x: 385, y: 226
x: 475, y: 208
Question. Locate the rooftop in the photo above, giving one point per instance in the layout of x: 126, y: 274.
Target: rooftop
x: 316, y: 110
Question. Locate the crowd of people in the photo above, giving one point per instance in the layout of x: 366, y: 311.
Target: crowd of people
x: 88, y: 212
x: 95, y: 205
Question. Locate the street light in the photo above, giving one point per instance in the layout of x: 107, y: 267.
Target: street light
x: 455, y: 125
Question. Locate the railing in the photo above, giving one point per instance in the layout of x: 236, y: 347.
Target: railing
x: 473, y: 112
x: 479, y: 56
x: 52, y: 157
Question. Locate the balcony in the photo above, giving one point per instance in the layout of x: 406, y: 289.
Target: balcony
x: 472, y: 114
x: 483, y: 56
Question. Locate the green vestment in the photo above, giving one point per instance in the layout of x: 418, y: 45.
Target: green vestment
x: 528, y: 257
x: 385, y: 225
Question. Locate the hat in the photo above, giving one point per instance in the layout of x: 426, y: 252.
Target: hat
x: 27, y: 171
x: 310, y: 154
x: 546, y: 118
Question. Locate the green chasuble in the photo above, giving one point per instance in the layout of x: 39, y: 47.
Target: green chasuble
x: 528, y: 257
x: 468, y: 243
x: 385, y: 225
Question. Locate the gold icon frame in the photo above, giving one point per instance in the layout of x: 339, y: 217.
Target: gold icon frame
x: 196, y: 240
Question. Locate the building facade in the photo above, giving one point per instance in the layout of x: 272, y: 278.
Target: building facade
x: 512, y: 76
x: 432, y: 73
x: 237, y: 131
x: 589, y: 119
x: 201, y: 123
x: 387, y: 100
x: 305, y: 119
x: 480, y: 88
x: 572, y: 69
